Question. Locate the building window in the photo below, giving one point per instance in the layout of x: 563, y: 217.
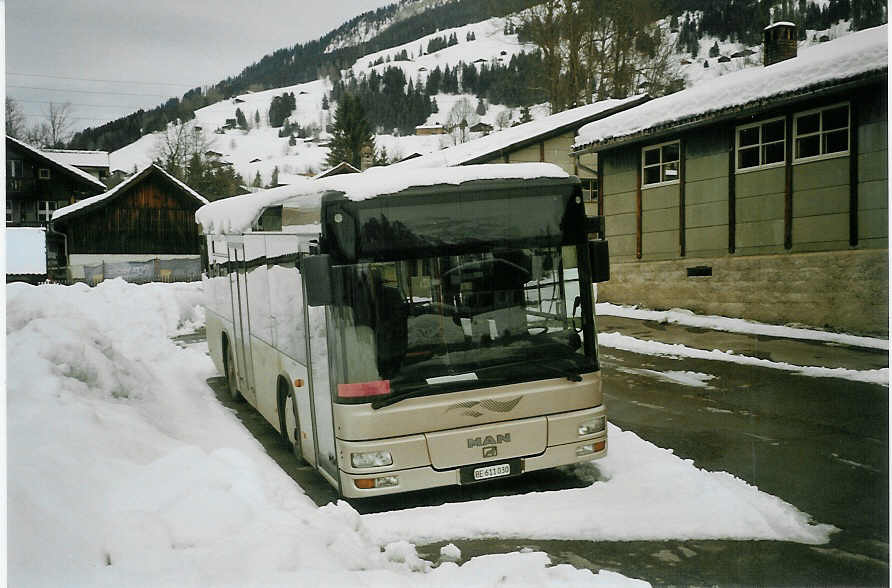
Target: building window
x: 8, y: 210
x: 761, y: 144
x: 821, y: 132
x: 15, y: 168
x: 45, y: 209
x: 659, y: 164
x: 43, y: 173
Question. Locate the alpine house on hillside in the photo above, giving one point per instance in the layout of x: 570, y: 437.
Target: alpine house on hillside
x: 143, y: 229
x: 547, y: 140
x: 763, y: 192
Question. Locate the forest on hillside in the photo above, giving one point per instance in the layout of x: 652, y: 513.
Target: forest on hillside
x: 565, y: 71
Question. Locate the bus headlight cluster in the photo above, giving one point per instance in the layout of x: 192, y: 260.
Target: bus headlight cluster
x: 382, y: 482
x: 371, y: 459
x: 590, y: 448
x: 592, y: 426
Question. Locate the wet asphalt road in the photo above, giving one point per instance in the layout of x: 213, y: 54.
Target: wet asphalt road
x: 820, y: 444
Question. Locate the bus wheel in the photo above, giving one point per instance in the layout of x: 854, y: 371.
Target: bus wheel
x: 229, y: 366
x: 289, y: 424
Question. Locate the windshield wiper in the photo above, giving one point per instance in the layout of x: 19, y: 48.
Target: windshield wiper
x: 423, y: 390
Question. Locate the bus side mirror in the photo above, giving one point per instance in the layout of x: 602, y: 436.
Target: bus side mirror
x: 599, y: 257
x: 315, y: 271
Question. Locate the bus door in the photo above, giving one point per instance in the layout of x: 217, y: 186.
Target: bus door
x: 317, y: 358
x: 241, y: 322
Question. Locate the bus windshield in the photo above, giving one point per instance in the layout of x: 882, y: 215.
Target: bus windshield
x: 441, y: 324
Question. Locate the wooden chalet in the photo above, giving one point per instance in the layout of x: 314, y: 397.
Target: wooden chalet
x: 37, y: 183
x: 150, y: 215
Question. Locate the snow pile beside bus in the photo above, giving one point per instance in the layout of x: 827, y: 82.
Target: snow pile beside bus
x: 124, y: 470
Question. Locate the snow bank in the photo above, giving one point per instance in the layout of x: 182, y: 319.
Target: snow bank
x: 124, y: 469
x: 687, y: 318
x: 856, y: 54
x: 627, y: 343
x: 643, y: 493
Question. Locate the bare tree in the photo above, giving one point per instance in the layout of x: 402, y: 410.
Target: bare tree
x: 15, y: 119
x: 543, y: 24
x: 503, y: 119
x: 461, y: 118
x: 58, y: 119
x: 176, y: 146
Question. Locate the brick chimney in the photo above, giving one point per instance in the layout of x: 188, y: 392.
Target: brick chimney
x: 779, y: 43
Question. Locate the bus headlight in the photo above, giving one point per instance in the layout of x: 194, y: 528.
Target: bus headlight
x: 372, y: 459
x: 592, y: 426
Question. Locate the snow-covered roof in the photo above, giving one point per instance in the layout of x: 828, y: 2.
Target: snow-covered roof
x: 342, y: 168
x: 852, y: 57
x: 495, y: 143
x: 78, y: 157
x: 54, y: 159
x: 238, y: 214
x: 783, y: 23
x: 94, y: 200
x: 25, y: 250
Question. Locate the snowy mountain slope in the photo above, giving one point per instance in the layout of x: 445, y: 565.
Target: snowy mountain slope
x: 366, y: 29
x: 261, y: 150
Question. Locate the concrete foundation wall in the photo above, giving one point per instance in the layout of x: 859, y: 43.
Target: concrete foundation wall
x: 839, y: 290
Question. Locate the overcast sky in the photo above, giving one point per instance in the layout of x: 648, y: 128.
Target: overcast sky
x: 160, y: 48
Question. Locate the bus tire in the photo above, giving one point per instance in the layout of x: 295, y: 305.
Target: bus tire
x: 291, y: 438
x: 229, y: 367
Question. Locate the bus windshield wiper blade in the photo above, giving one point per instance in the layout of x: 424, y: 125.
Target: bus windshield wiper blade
x: 423, y: 390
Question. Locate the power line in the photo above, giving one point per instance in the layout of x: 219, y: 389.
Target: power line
x: 85, y: 91
x: 79, y: 104
x: 12, y: 73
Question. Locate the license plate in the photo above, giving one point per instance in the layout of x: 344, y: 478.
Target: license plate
x: 493, y: 471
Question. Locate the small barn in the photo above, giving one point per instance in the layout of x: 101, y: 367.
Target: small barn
x: 143, y: 230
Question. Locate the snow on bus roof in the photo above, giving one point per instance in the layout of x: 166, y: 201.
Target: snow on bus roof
x: 858, y: 54
x: 239, y: 213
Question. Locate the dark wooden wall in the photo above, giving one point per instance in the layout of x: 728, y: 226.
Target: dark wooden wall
x: 152, y: 216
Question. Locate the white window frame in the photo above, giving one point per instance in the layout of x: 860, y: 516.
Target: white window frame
x: 759, y: 145
x: 821, y: 132
x: 43, y: 173
x: 644, y: 166
x: 45, y: 213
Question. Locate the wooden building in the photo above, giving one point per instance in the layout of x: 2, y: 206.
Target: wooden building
x: 762, y: 194
x: 149, y: 216
x: 37, y: 183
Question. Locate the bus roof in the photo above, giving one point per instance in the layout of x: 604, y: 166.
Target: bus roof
x: 238, y: 214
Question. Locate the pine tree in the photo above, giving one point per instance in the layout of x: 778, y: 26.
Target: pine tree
x: 324, y: 102
x: 714, y: 50
x: 258, y: 182
x: 240, y: 119
x: 351, y: 131
x: 481, y: 107
x: 257, y: 118
x: 274, y: 180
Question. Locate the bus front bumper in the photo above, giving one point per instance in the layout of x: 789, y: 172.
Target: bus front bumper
x: 405, y: 480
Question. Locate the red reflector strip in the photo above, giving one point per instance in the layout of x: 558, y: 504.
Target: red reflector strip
x: 361, y: 389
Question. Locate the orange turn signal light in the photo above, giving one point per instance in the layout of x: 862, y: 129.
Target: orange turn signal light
x: 298, y: 383
x: 365, y: 483
x: 600, y: 445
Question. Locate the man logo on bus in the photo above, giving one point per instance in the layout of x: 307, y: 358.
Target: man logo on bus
x: 490, y: 451
x: 489, y: 440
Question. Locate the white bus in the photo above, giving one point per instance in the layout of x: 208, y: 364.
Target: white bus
x: 413, y: 330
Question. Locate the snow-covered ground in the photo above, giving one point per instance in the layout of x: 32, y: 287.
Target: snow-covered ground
x: 124, y: 470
